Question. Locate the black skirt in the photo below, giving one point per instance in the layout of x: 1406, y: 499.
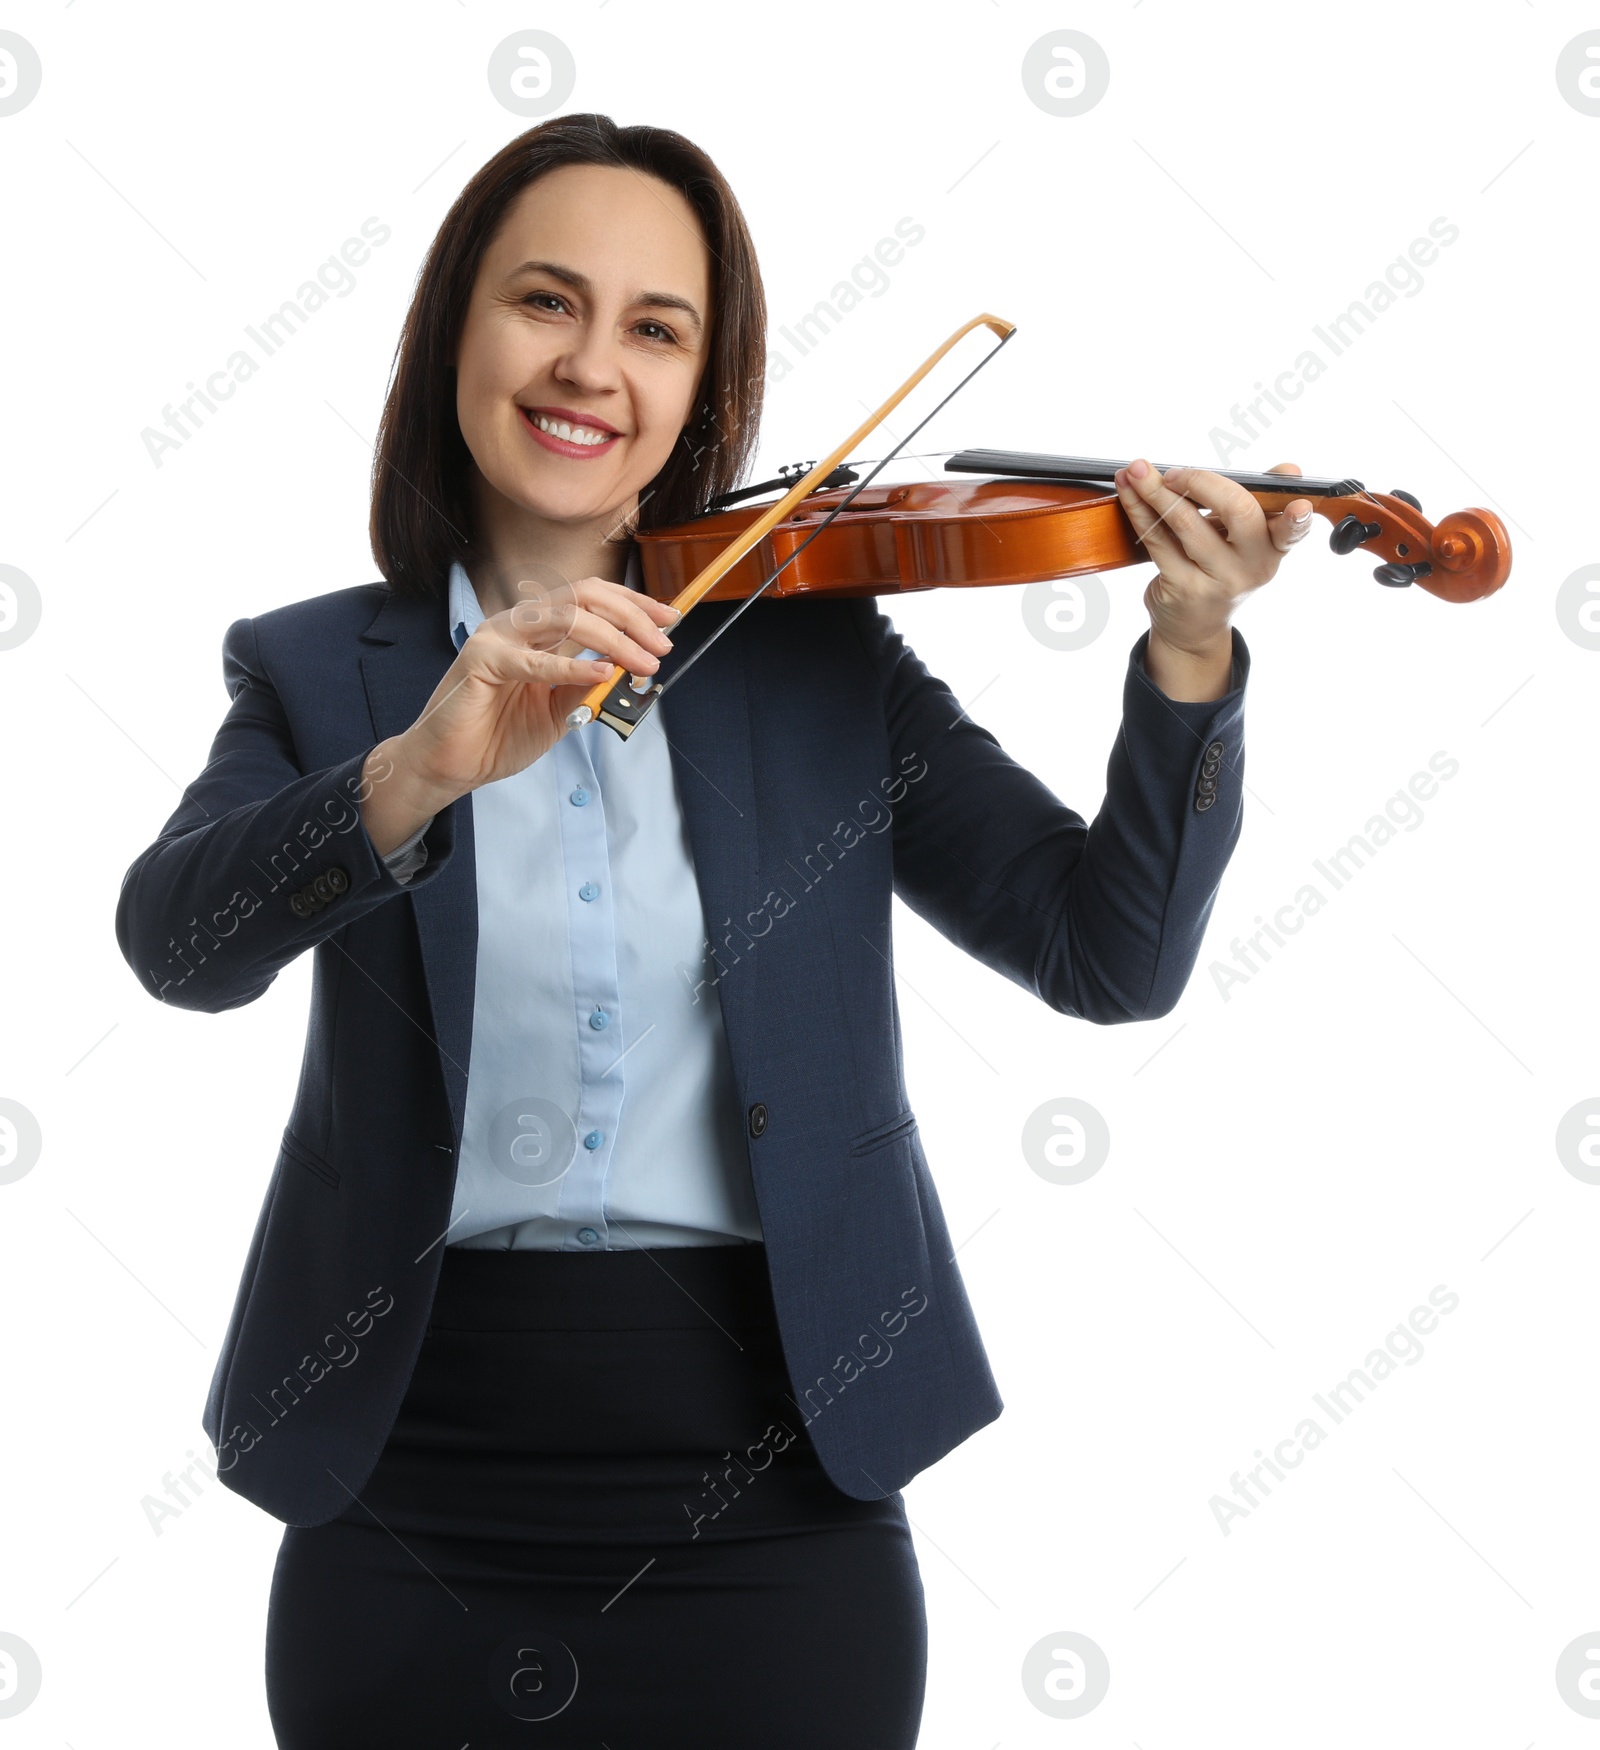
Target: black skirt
x: 599, y: 1519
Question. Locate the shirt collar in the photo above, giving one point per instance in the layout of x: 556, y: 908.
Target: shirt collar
x: 466, y: 616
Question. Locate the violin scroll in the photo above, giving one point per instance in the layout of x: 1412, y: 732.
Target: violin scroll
x: 1462, y: 559
x: 1472, y: 556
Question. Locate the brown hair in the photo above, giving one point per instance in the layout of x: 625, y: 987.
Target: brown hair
x: 423, y: 516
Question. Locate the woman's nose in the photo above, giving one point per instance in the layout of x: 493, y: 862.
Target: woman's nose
x: 590, y: 362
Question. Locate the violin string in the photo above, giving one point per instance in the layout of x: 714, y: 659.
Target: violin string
x: 843, y: 504
x: 920, y: 456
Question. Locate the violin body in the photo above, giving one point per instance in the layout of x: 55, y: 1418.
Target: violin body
x: 974, y: 532
x: 924, y: 535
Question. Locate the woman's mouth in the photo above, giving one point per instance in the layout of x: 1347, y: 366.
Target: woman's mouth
x: 567, y: 434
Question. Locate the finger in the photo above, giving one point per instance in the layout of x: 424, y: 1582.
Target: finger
x: 592, y: 631
x: 568, y: 627
x: 501, y: 645
x: 542, y: 617
x: 1293, y: 523
x: 1297, y: 510
x: 1288, y: 528
x: 1163, y: 549
x: 546, y: 614
x: 664, y: 611
x: 1238, y: 509
x: 547, y: 669
x: 641, y: 617
x: 1167, y: 519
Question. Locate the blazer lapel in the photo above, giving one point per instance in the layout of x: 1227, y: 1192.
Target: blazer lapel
x: 707, y: 725
x: 408, y: 651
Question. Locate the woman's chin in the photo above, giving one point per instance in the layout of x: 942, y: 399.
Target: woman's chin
x: 576, y: 505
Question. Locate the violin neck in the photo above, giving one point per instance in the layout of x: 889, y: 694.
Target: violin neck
x: 1097, y: 471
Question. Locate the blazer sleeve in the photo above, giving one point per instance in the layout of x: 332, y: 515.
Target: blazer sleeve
x: 1101, y: 920
x: 261, y: 860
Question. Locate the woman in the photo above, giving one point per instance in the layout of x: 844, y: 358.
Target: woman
x: 601, y: 1303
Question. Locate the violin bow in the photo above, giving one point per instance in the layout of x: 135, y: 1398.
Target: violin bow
x: 622, y: 706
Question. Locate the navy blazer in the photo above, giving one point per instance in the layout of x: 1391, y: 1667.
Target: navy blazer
x: 804, y: 728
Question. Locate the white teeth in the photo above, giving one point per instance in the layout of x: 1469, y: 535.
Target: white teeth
x: 571, y: 434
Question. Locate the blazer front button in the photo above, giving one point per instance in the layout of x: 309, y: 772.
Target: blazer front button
x: 758, y: 1119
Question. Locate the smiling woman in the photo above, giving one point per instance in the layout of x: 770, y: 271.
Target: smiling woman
x: 640, y: 1184
x: 652, y: 245
x: 586, y: 362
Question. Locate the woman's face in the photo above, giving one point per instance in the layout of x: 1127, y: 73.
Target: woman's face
x: 584, y: 341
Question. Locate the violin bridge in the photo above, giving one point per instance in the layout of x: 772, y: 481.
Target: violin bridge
x: 623, y: 709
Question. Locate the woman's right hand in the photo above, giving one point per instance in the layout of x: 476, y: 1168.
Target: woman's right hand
x: 503, y: 702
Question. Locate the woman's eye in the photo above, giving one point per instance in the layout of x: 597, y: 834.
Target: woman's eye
x: 656, y: 331
x: 544, y: 300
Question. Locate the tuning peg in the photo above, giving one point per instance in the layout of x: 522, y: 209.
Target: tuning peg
x: 1398, y: 576
x: 1404, y: 497
x: 1349, y: 534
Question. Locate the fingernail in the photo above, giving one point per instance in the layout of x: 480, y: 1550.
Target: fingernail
x: 1138, y: 470
x: 1301, y: 520
x: 677, y: 615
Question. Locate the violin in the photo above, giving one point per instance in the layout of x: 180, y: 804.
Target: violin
x: 1032, y: 518
x: 1042, y: 517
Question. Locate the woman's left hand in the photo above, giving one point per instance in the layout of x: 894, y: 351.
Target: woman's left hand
x: 1214, y: 544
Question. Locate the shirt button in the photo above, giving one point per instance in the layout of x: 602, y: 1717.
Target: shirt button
x: 588, y: 1236
x: 578, y: 797
x: 600, y: 1020
x: 588, y: 891
x: 594, y: 1139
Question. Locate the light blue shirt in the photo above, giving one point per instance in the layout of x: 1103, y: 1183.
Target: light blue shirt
x: 601, y: 1110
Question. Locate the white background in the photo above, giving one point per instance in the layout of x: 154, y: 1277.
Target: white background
x: 1370, y: 1115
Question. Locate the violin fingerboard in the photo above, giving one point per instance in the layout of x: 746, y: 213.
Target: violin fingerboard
x: 1097, y: 471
